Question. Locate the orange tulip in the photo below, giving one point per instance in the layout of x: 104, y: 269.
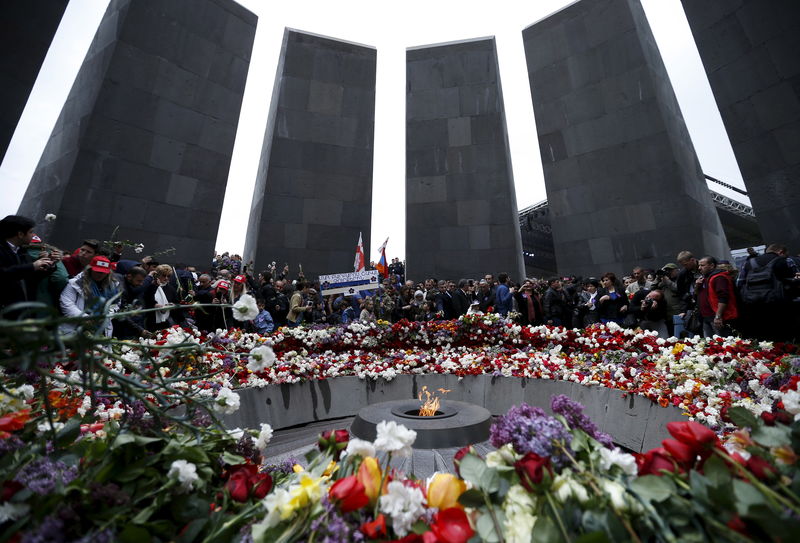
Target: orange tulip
x: 444, y: 490
x: 369, y: 474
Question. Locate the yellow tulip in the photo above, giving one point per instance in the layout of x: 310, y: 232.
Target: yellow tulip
x: 444, y: 490
x: 370, y: 475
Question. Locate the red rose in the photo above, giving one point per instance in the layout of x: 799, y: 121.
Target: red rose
x: 462, y: 452
x: 683, y: 454
x: 375, y: 529
x: 769, y: 418
x: 654, y: 461
x: 452, y: 526
x: 349, y: 494
x: 532, y: 470
x: 760, y: 467
x: 693, y: 434
x: 334, y: 441
x: 244, y: 480
x: 9, y: 489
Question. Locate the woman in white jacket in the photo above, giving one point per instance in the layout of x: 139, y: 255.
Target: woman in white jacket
x: 87, y: 294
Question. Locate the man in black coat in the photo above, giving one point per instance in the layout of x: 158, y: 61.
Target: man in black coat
x: 18, y: 274
x: 461, y: 299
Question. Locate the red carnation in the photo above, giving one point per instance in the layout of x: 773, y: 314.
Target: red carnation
x: 452, y: 526
x: 532, y: 470
x: 349, y: 493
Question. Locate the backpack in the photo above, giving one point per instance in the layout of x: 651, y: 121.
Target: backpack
x: 762, y: 286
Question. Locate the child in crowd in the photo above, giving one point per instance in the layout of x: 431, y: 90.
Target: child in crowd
x: 263, y: 322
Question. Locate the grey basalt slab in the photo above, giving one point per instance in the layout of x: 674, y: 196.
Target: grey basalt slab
x: 313, y: 192
x: 152, y: 114
x: 624, y: 185
x: 749, y: 51
x: 459, y: 182
x: 633, y: 421
x: 26, y: 29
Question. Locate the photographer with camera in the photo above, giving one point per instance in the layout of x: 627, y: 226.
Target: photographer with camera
x: 650, y: 310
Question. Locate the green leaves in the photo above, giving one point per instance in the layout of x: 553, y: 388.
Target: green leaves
x: 742, y: 418
x: 772, y: 436
x: 475, y: 470
x: 653, y: 488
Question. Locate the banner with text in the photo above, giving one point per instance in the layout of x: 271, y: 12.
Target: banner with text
x: 348, y: 283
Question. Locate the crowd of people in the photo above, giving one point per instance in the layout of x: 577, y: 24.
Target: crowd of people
x: 692, y: 296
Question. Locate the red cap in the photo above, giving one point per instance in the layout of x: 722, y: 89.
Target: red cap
x: 240, y: 279
x: 101, y: 264
x: 223, y: 285
x: 36, y: 239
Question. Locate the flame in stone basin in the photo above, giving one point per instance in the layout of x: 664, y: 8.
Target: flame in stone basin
x: 430, y: 402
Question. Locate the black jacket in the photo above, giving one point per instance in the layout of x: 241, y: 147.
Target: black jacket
x: 18, y: 279
x: 461, y: 303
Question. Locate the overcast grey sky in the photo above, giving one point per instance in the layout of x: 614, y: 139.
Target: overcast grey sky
x: 391, y: 28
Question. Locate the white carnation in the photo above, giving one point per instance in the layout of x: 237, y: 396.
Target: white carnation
x: 245, y: 309
x: 50, y: 217
x: 264, y: 437
x: 139, y: 248
x: 227, y: 401
x: 404, y: 505
x: 615, y: 457
x: 360, y: 447
x: 394, y: 438
x: 261, y: 358
x: 185, y: 472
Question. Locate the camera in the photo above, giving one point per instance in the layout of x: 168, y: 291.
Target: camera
x: 648, y: 303
x: 661, y: 273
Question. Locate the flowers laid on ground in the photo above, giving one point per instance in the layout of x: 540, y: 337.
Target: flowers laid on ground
x: 106, y: 440
x: 703, y: 377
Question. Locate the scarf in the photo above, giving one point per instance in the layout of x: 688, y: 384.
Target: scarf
x: 161, y: 298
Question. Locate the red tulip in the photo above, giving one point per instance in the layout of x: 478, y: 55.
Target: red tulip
x: 14, y: 421
x: 375, y: 529
x: 654, y: 461
x: 532, y: 469
x: 452, y: 526
x: 349, y: 494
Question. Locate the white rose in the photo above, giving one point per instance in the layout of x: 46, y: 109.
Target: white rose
x: 245, y: 309
x: 261, y: 358
x: 185, y: 472
x: 394, y: 438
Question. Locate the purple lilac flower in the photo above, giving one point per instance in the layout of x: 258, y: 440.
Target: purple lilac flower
x: 110, y: 494
x: 247, y: 448
x: 332, y: 527
x: 10, y: 444
x: 573, y: 413
x: 41, y: 476
x: 106, y: 536
x: 530, y: 430
x: 201, y: 419
x: 51, y: 530
x: 138, y: 417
